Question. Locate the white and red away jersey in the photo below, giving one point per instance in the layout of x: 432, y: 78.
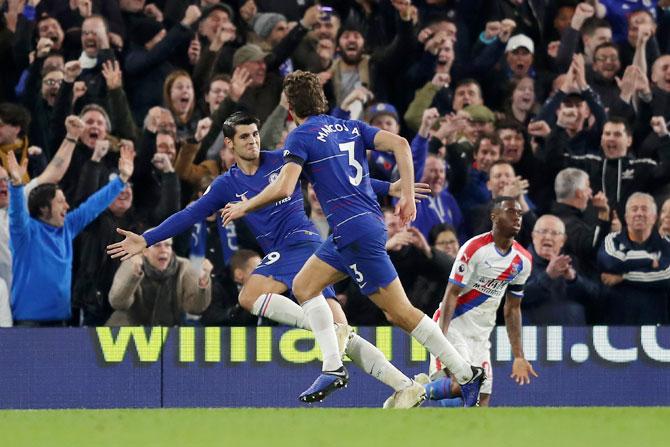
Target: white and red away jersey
x: 485, y: 274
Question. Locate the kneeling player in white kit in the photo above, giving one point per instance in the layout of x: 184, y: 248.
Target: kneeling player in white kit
x: 486, y: 267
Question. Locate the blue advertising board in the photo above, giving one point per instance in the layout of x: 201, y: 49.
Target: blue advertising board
x: 270, y: 366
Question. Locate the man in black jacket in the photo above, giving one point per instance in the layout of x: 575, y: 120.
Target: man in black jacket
x: 586, y: 230
x: 616, y: 173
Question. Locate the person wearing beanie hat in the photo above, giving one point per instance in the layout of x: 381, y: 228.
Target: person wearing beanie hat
x: 271, y: 27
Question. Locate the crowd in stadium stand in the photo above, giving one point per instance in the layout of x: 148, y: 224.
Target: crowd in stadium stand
x: 560, y: 104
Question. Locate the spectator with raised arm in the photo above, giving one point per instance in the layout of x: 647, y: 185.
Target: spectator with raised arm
x: 41, y: 236
x: 53, y: 173
x: 574, y: 202
x: 147, y: 62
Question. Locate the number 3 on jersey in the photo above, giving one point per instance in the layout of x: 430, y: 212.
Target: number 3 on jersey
x: 358, y: 276
x: 349, y: 149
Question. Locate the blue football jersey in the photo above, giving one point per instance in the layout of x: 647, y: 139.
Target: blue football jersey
x: 332, y: 153
x: 283, y: 221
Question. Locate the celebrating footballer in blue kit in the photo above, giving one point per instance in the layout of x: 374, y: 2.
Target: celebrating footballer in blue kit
x: 332, y: 155
x: 288, y: 239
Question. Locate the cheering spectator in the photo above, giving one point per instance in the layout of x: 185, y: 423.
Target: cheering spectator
x: 635, y: 264
x: 573, y: 196
x: 441, y: 206
x: 618, y: 174
x: 53, y: 173
x: 147, y: 62
x: 41, y: 243
x: 14, y: 122
x: 157, y: 288
x: 503, y: 181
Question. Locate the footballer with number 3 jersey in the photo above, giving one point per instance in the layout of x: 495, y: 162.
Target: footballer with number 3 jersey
x: 488, y: 268
x: 331, y: 153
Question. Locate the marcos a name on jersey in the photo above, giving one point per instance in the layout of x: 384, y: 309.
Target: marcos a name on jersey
x: 332, y: 153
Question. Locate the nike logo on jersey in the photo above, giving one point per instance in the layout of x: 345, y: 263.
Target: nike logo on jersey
x: 242, y: 196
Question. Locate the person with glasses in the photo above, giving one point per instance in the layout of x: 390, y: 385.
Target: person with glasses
x: 602, y: 75
x: 555, y: 292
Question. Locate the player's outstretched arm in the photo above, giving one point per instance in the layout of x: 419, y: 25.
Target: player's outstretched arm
x: 131, y: 245
x: 389, y: 142
x: 521, y: 368
x: 448, y: 305
x: 279, y: 189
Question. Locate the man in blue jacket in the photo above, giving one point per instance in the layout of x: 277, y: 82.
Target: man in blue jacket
x: 41, y: 236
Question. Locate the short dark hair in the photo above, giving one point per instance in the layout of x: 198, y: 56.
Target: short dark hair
x: 592, y: 24
x: 467, y: 81
x: 219, y: 77
x: 605, y: 45
x: 240, y: 258
x: 620, y: 120
x: 438, y: 17
x: 15, y: 115
x: 305, y: 94
x: 509, y: 124
x: 41, y: 197
x: 499, y: 162
x: 492, y: 137
x: 498, y: 201
x: 163, y: 130
x: 439, y: 228
x: 238, y: 119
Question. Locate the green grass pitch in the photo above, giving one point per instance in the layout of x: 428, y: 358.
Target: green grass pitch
x: 426, y: 427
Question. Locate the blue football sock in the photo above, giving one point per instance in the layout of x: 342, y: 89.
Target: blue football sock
x: 453, y: 402
x: 439, y: 389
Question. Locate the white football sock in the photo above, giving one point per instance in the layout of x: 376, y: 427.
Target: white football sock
x: 281, y: 309
x: 429, y: 334
x: 371, y: 360
x: 320, y: 318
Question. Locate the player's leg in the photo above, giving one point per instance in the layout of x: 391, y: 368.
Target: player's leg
x: 307, y: 287
x: 393, y: 300
x: 371, y: 360
x: 264, y: 295
x: 368, y: 263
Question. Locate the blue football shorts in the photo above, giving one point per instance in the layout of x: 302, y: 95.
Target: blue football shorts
x: 284, y: 263
x: 364, y: 259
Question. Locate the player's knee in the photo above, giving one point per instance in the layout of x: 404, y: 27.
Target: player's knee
x: 247, y: 298
x: 302, y: 290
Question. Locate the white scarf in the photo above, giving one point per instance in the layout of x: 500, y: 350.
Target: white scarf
x: 87, y: 62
